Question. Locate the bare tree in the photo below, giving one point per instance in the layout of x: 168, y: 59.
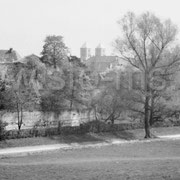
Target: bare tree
x: 147, y: 45
x: 21, y: 93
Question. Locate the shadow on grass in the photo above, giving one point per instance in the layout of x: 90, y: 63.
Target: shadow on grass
x: 73, y: 138
x: 125, y: 135
x: 4, y: 144
x: 93, y: 137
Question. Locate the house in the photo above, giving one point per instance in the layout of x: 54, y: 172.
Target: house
x: 7, y: 60
x: 9, y: 56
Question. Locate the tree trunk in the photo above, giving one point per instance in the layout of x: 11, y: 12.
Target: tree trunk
x: 151, y: 111
x: 95, y: 113
x: 71, y: 101
x: 54, y: 58
x: 146, y: 108
x: 54, y: 63
x: 112, y: 119
x: 18, y: 115
x: 72, y: 94
x: 21, y: 121
x: 146, y: 120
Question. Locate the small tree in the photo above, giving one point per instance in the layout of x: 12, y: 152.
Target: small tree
x: 2, y: 130
x: 19, y: 100
x: 53, y: 101
x: 110, y: 105
x: 20, y: 94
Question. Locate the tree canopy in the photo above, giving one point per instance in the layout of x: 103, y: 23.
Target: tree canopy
x: 54, y: 51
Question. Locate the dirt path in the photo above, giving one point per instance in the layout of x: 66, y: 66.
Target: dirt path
x: 42, y: 148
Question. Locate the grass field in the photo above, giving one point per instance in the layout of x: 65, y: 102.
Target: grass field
x: 100, y: 137
x: 156, y: 160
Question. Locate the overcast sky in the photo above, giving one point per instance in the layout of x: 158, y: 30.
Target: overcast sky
x: 24, y: 24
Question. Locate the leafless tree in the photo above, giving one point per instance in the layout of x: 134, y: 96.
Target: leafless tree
x: 148, y: 45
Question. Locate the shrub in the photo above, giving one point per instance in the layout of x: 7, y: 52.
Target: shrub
x: 2, y: 130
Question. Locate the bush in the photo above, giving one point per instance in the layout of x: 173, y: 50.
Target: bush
x: 93, y: 126
x: 2, y: 130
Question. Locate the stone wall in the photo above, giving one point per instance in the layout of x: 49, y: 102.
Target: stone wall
x: 93, y: 127
x: 38, y: 118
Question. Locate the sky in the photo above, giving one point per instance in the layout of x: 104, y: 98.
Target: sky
x: 24, y: 24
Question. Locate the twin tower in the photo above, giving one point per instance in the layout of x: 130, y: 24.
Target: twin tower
x: 85, y: 52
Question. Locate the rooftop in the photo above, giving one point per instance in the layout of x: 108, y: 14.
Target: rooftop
x: 101, y: 63
x: 9, y: 56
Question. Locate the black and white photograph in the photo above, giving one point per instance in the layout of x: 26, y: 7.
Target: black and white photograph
x: 89, y: 90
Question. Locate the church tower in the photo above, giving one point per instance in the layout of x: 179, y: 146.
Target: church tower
x: 84, y: 52
x: 99, y: 51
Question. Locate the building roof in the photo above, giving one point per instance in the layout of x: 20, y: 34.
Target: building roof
x: 100, y: 46
x: 101, y: 63
x: 84, y: 45
x: 9, y: 56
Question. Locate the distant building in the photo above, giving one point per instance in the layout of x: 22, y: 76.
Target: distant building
x: 110, y: 68
x: 99, y: 62
x: 99, y: 51
x: 9, y: 56
x: 7, y: 60
x: 85, y: 52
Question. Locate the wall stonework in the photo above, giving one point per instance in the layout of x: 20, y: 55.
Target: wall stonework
x: 30, y: 119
